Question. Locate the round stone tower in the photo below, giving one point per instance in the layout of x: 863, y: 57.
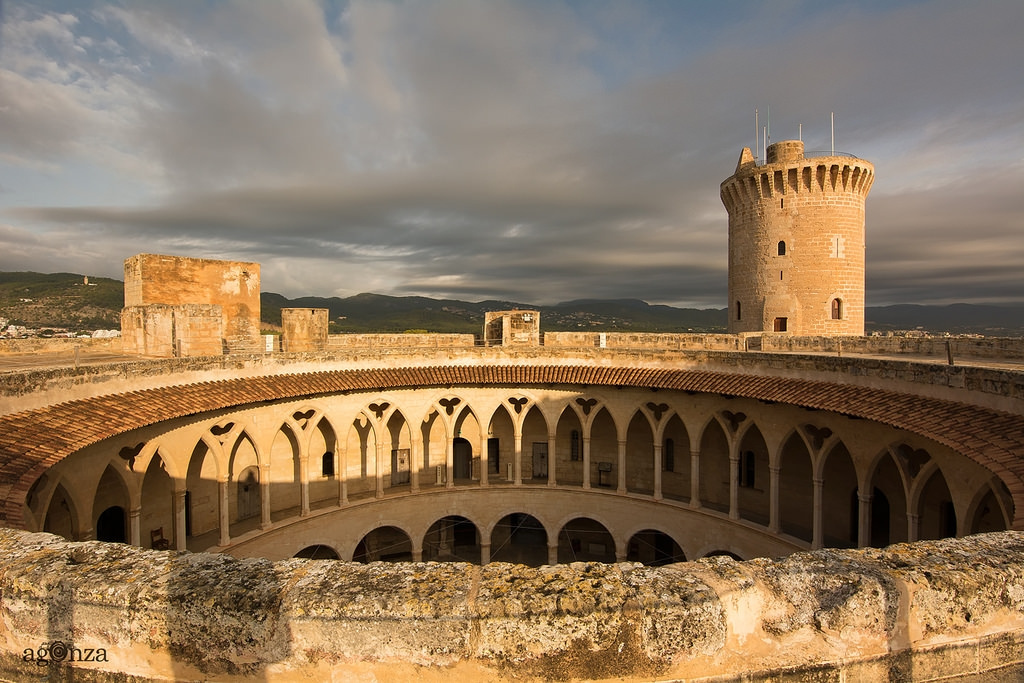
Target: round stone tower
x: 796, y: 241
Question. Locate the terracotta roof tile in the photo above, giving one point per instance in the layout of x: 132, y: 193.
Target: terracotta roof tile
x: 32, y: 440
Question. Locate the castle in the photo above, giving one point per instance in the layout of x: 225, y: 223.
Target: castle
x: 560, y: 458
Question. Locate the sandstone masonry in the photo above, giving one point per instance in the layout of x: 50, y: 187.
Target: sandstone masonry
x: 796, y: 242
x: 179, y: 306
x: 907, y: 612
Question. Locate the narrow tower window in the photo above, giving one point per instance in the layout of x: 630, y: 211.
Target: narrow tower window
x: 782, y: 248
x: 837, y: 309
x: 739, y: 311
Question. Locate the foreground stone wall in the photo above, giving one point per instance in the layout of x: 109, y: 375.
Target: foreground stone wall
x: 919, y: 612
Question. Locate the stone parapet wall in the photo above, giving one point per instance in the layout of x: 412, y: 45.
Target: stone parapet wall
x: 992, y: 387
x: 989, y: 348
x: 643, y: 340
x: 400, y: 341
x: 61, y: 345
x: 912, y: 612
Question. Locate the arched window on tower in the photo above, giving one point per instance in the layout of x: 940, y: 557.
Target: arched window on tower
x: 837, y: 309
x: 739, y: 311
x: 782, y: 248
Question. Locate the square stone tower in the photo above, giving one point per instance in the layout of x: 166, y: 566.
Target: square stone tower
x: 512, y: 328
x: 180, y: 306
x: 305, y: 329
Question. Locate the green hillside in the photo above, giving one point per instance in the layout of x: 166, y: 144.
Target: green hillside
x: 61, y: 300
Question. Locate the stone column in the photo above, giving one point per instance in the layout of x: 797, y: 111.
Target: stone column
x: 417, y: 553
x: 179, y: 520
x: 695, y: 479
x: 864, y: 519
x: 621, y: 467
x: 304, y: 486
x: 342, y: 473
x: 485, y: 460
x: 415, y: 463
x: 818, y: 529
x: 657, y: 471
x: 553, y: 553
x: 485, y: 553
x: 586, y: 460
x: 517, y: 466
x: 135, y: 527
x: 734, y: 486
x: 378, y: 465
x: 449, y: 462
x: 552, y: 459
x: 775, y: 520
x: 265, y: 497
x: 913, y: 527
x: 225, y: 511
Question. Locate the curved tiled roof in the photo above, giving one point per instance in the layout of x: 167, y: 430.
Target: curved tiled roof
x: 34, y: 440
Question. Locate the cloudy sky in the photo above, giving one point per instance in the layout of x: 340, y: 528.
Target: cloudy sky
x: 530, y: 150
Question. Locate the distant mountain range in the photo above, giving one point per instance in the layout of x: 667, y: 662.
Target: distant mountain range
x: 379, y: 313
x: 988, y: 320
x: 65, y: 300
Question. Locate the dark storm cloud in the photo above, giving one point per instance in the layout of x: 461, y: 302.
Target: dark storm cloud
x: 536, y: 152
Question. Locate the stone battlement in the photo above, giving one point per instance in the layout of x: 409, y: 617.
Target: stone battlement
x: 907, y: 612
